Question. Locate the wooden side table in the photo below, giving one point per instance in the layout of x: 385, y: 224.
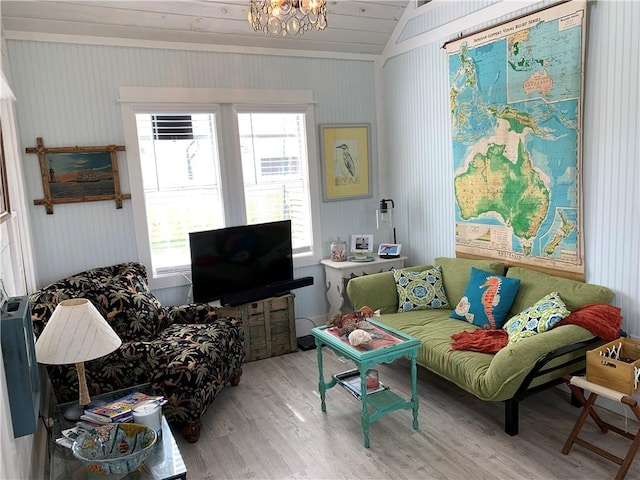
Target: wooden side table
x: 339, y: 273
x: 576, y: 384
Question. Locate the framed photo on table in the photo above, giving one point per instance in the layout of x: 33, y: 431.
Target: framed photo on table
x: 361, y: 243
x: 345, y: 153
x: 389, y: 250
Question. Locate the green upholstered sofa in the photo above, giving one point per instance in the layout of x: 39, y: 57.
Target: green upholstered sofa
x: 518, y: 369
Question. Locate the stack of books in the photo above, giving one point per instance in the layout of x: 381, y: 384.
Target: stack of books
x: 119, y: 410
x: 69, y: 435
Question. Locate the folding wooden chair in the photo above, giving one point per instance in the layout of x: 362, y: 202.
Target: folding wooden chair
x: 577, y: 384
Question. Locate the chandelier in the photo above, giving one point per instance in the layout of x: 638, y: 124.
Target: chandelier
x: 287, y: 17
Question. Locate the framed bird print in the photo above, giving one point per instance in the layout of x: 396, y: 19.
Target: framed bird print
x: 345, y: 152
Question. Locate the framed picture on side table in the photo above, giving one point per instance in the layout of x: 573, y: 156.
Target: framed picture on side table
x: 389, y: 250
x: 361, y: 244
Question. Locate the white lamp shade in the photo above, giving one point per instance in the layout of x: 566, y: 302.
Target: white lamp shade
x: 76, y: 332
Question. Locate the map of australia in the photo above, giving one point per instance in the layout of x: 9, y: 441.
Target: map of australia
x: 515, y: 93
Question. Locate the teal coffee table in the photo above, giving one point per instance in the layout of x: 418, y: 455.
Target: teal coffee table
x: 391, y: 346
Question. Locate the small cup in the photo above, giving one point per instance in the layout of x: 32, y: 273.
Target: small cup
x: 372, y: 380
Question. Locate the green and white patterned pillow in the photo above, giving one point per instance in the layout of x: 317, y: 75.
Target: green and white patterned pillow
x: 420, y: 290
x: 538, y: 318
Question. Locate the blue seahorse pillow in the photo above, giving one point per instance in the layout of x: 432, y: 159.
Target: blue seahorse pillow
x: 487, y: 299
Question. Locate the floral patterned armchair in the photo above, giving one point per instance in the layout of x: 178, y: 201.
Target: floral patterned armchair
x: 186, y: 352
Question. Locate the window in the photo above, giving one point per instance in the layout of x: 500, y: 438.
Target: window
x: 180, y: 173
x: 200, y: 159
x: 276, y: 186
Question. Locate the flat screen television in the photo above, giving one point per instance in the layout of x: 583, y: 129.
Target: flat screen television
x: 241, y: 264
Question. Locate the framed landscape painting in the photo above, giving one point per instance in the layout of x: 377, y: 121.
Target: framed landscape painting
x: 345, y: 153
x: 78, y: 174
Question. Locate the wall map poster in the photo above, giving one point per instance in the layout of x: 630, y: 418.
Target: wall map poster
x: 516, y: 106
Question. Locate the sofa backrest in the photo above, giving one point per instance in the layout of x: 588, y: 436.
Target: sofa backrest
x: 456, y: 273
x: 119, y: 292
x: 534, y: 285
x: 377, y: 291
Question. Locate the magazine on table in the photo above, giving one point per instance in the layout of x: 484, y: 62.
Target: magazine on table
x: 351, y: 381
x: 118, y: 410
x: 70, y: 434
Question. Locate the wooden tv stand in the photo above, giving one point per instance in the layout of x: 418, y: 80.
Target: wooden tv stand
x: 269, y: 326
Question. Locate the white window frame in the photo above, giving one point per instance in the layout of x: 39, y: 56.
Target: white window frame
x: 21, y: 279
x: 224, y: 103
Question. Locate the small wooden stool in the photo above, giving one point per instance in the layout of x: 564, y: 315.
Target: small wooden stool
x: 576, y: 384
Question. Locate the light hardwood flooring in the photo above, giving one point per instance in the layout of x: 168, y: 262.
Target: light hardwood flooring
x: 271, y: 427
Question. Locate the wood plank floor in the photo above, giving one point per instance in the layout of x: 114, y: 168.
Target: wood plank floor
x: 271, y: 427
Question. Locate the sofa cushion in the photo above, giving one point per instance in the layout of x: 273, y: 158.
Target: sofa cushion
x: 133, y: 315
x: 377, y: 291
x: 119, y: 292
x: 418, y: 290
x: 540, y: 317
x: 493, y: 377
x: 122, y: 295
x: 456, y: 273
x: 534, y: 285
x: 487, y: 299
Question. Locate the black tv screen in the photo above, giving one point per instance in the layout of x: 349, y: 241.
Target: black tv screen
x: 229, y: 261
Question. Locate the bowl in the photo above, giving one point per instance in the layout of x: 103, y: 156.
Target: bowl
x: 115, y: 448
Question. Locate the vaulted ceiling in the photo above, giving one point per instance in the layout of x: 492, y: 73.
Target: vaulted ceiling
x: 354, y: 26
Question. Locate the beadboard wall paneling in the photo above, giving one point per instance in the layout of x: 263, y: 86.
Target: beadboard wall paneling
x: 420, y: 150
x: 67, y: 94
x: 433, y: 15
x: 418, y: 137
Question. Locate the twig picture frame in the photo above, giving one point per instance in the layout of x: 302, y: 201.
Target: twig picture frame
x: 345, y: 152
x: 78, y: 174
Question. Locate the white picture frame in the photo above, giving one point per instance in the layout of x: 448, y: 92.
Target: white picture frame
x: 389, y: 250
x: 361, y: 243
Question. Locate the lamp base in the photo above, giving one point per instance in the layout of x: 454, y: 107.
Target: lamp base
x: 74, y: 411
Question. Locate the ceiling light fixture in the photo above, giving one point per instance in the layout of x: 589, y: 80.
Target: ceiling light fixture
x: 287, y: 17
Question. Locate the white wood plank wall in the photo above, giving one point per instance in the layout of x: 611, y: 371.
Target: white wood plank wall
x: 68, y: 95
x: 418, y: 145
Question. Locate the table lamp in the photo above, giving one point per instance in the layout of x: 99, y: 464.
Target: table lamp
x: 384, y: 216
x: 76, y: 333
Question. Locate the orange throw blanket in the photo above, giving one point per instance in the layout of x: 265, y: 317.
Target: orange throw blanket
x: 601, y: 319
x: 480, y: 340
